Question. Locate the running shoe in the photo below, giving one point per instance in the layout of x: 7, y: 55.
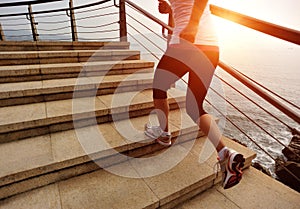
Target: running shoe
x: 155, y: 132
x: 231, y: 168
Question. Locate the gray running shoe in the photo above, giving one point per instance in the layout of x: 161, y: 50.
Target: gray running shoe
x: 155, y: 132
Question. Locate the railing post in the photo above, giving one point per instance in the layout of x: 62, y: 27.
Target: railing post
x: 2, y: 37
x: 123, y: 26
x: 35, y: 35
x: 73, y: 22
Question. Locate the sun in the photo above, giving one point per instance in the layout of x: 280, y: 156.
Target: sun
x: 229, y: 32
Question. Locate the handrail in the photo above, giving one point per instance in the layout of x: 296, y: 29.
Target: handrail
x: 278, y: 31
x: 58, y: 10
x: 13, y: 4
x: 70, y: 12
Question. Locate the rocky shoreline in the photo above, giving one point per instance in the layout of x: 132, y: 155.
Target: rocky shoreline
x: 291, y: 163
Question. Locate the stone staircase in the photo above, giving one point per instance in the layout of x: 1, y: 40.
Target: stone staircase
x: 71, y: 131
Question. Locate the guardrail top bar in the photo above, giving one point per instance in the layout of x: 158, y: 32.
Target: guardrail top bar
x: 58, y: 10
x: 277, y: 31
x: 22, y: 3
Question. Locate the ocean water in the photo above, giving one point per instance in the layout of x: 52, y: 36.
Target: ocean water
x: 274, y: 64
x: 278, y: 69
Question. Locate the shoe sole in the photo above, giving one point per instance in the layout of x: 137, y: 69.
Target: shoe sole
x: 157, y: 140
x: 238, y: 162
x: 166, y: 144
x: 235, y: 170
x: 233, y: 180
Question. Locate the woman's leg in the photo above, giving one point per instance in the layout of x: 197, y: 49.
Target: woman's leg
x: 162, y: 111
x: 231, y: 162
x: 196, y: 95
x: 210, y: 128
x: 168, y: 71
x: 194, y: 104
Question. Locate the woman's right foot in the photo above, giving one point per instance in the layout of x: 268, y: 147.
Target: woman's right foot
x: 231, y: 168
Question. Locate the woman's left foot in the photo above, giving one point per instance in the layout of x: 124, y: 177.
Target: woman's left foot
x: 155, y: 132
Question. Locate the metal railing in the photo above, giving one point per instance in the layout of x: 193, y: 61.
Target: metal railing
x: 67, y: 23
x: 262, y: 26
x: 61, y: 24
x: 26, y: 3
x: 77, y: 23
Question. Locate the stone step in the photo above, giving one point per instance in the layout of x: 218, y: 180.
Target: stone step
x: 65, y: 56
x: 256, y: 190
x: 42, y: 160
x: 162, y: 178
x: 21, y: 73
x: 59, y: 45
x: 59, y: 89
x: 22, y: 121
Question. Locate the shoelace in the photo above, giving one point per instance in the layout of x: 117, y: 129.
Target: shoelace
x: 216, y: 169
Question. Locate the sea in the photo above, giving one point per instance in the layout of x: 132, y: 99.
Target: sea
x: 277, y: 68
x: 274, y: 64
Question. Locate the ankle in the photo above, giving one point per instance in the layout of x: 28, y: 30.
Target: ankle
x: 222, y: 153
